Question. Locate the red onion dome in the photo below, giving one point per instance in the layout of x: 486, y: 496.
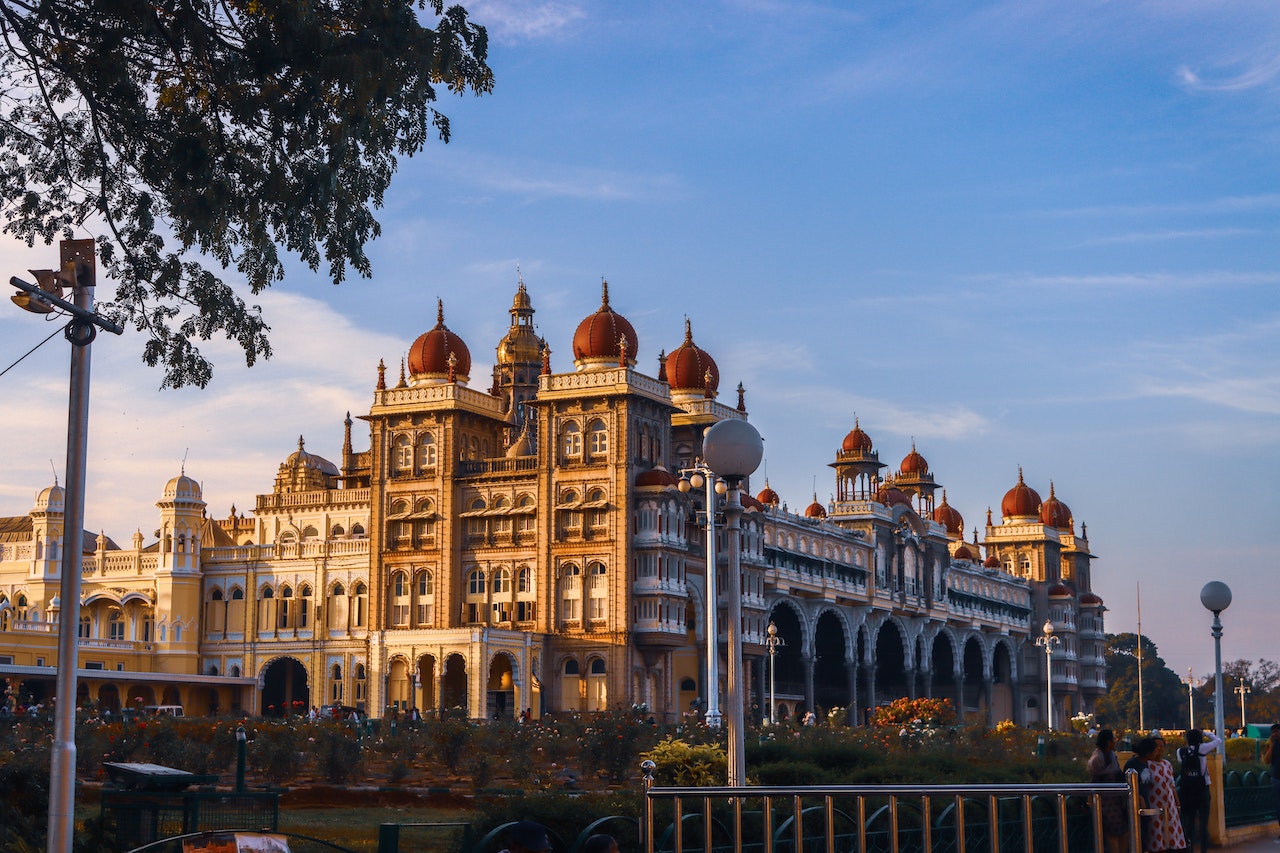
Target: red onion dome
x: 914, y: 463
x: 1054, y: 513
x: 598, y: 336
x: 690, y: 368
x: 751, y: 503
x: 430, y: 354
x: 1090, y: 599
x: 890, y: 495
x: 815, y: 509
x: 1061, y: 591
x: 1020, y: 501
x: 768, y: 496
x: 948, y: 516
x: 659, y: 477
x: 992, y: 562
x: 964, y: 553
x: 856, y: 440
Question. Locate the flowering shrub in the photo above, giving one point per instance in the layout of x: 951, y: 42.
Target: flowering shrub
x: 1005, y: 727
x: 923, y: 712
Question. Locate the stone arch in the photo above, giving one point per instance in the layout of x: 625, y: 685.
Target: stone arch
x: 832, y: 651
x: 944, y: 663
x: 973, y: 670
x: 500, y: 687
x: 285, y: 683
x: 453, y: 683
x: 890, y: 656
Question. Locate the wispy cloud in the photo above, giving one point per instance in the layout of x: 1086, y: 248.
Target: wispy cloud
x: 1233, y: 369
x: 1223, y: 205
x: 543, y: 180
x: 1262, y: 73
x: 526, y: 20
x: 1151, y: 280
x: 1166, y: 236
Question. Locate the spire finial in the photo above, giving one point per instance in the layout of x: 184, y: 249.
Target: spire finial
x: 1020, y: 475
x: 382, y: 375
x: 622, y: 351
x: 1051, y: 488
x: 402, y: 383
x: 604, y: 294
x: 519, y: 277
x: 662, y: 366
x: 688, y: 331
x: 439, y: 312
x: 301, y: 442
x: 453, y: 366
x: 706, y: 383
x: 546, y: 357
x: 742, y: 399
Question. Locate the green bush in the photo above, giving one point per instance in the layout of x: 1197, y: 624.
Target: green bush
x: 685, y: 764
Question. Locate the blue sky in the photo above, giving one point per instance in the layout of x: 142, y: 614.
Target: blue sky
x: 1026, y: 234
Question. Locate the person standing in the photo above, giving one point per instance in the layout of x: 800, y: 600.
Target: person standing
x: 1271, y: 755
x: 1104, y: 766
x: 1193, y: 786
x: 1166, y: 827
x: 1140, y: 763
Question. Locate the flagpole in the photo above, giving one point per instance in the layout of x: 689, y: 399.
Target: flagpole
x: 1142, y: 721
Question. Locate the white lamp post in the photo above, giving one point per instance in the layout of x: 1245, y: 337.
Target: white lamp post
x: 1191, y: 699
x: 733, y: 449
x: 771, y: 642
x: 1049, y: 640
x: 1242, y: 689
x: 697, y: 477
x: 1216, y: 597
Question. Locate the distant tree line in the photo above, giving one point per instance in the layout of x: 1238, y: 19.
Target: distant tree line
x: 1166, y: 703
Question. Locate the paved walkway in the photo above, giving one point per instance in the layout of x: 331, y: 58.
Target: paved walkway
x: 1264, y: 839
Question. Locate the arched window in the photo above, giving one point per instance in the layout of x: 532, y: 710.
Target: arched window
x: 598, y: 591
x: 570, y: 686
x: 524, y: 580
x: 401, y: 454
x: 476, y: 582
x: 115, y: 625
x: 216, y: 595
x: 310, y: 534
x: 360, y: 682
x: 426, y: 599
x: 597, y: 686
x: 426, y: 451
x: 337, y: 531
x: 304, y: 606
x: 357, y: 530
x: 360, y: 604
x: 571, y: 594
x: 598, y: 441
x: 571, y: 440
x: 286, y: 609
x: 400, y: 600
x: 335, y: 682
x: 502, y: 580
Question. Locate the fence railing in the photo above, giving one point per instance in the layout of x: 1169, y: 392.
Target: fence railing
x: 1248, y: 798
x: 883, y: 819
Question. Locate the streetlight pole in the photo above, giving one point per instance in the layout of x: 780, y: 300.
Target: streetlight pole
x: 1049, y: 640
x: 697, y: 477
x: 1243, y: 690
x: 80, y: 273
x: 771, y: 642
x: 733, y: 449
x: 1216, y: 597
x: 1191, y: 699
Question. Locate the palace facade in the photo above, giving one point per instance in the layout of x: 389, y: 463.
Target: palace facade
x: 527, y: 547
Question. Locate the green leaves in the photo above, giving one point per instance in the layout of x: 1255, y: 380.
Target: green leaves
x: 230, y: 131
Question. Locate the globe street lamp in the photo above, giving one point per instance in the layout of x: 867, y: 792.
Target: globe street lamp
x: 733, y: 449
x: 771, y: 642
x: 1216, y: 597
x: 1242, y: 690
x: 1049, y: 640
x: 696, y: 477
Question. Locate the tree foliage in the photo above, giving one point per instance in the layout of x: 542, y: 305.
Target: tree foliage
x: 1163, y: 695
x: 222, y: 129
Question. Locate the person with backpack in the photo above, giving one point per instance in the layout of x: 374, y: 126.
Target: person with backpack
x: 1193, y: 786
x: 1271, y: 757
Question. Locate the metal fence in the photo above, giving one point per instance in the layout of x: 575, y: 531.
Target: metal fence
x: 141, y: 817
x: 883, y: 819
x: 1247, y: 798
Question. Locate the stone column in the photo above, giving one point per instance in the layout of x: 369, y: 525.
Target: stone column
x: 855, y: 713
x: 808, y: 682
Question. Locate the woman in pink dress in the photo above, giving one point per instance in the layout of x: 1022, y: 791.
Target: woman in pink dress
x: 1166, y: 826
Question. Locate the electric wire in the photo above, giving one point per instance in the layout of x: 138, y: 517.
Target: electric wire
x: 28, y: 352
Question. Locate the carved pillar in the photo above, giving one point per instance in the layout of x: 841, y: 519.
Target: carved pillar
x: 809, y: 663
x: 871, y: 690
x: 855, y: 713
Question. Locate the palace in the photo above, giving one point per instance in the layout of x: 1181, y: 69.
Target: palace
x: 527, y: 547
